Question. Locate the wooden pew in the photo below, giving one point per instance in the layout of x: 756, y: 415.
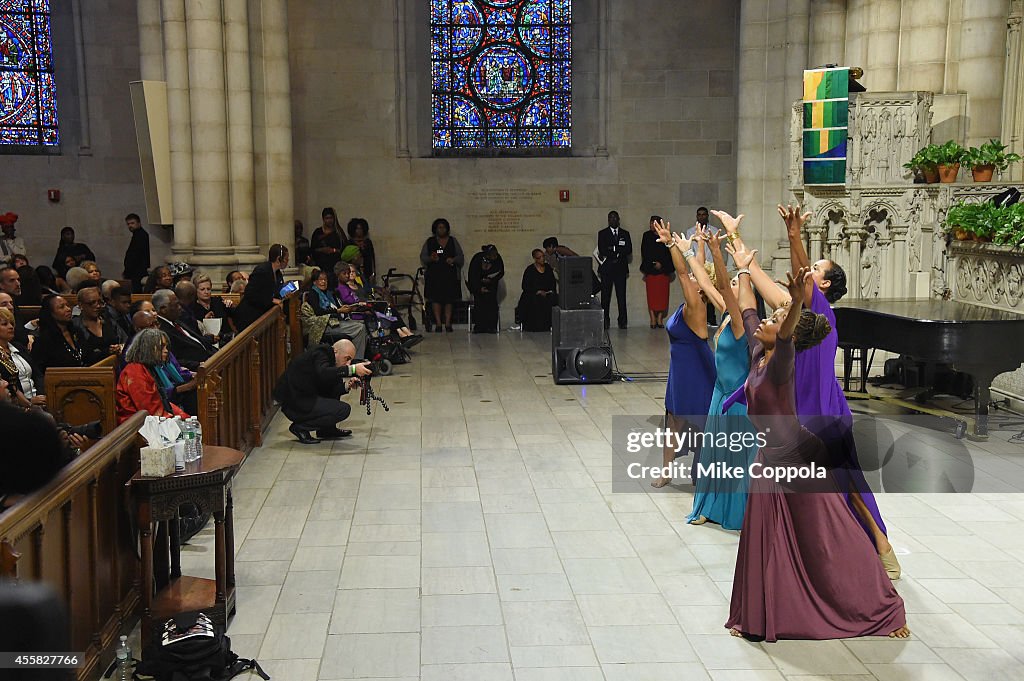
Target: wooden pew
x: 78, y: 395
x: 74, y: 535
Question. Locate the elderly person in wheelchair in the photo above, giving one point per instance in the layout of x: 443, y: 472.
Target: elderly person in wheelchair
x: 388, y: 322
x: 325, y: 319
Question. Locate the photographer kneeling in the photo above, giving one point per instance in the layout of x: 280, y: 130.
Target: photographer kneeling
x: 311, y: 387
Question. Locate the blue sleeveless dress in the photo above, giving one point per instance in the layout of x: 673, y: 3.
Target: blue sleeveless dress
x: 691, y: 371
x: 721, y: 500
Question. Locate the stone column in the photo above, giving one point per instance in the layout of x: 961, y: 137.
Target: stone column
x: 925, y: 24
x: 853, y: 268
x: 239, y: 129
x: 856, y: 35
x: 209, y: 131
x: 796, y: 46
x: 277, y: 125
x: 1013, y: 91
x: 827, y: 33
x: 179, y: 126
x: 151, y: 40
x: 982, y: 60
x: 899, y: 262
x: 883, y: 40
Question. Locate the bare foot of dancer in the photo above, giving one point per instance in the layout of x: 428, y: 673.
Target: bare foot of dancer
x: 902, y: 632
x: 660, y: 482
x: 738, y: 634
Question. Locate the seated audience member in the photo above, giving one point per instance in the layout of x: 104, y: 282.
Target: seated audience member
x: 180, y: 271
x: 21, y: 334
x: 70, y: 251
x: 31, y: 289
x: 209, y: 306
x: 93, y: 270
x: 76, y: 278
x: 190, y: 348
x: 327, y: 323
x: 24, y: 379
x: 23, y: 431
x: 48, y: 281
x: 56, y: 344
x: 539, y: 295
x: 485, y: 272
x: 159, y: 278
x: 10, y: 281
x: 238, y: 286
x: 11, y: 244
x: 99, y: 336
x: 19, y: 260
x: 143, y: 383
x: 349, y: 294
x: 263, y: 289
x: 232, y: 277
x: 311, y: 387
x: 119, y: 301
x: 186, y: 292
x: 183, y: 381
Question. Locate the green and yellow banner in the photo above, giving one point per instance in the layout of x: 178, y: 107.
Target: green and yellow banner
x: 825, y: 125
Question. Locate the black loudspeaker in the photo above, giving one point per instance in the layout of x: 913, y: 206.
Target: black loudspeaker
x: 579, y: 352
x: 575, y: 282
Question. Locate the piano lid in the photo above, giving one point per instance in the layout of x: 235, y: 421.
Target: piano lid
x: 932, y: 311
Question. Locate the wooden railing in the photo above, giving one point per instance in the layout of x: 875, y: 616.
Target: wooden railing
x: 78, y: 395
x: 74, y: 535
x: 235, y: 384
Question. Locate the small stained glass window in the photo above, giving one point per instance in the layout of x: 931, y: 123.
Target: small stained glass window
x: 501, y: 74
x: 28, y: 94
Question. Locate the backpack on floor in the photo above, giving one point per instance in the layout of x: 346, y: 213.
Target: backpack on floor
x: 193, y: 648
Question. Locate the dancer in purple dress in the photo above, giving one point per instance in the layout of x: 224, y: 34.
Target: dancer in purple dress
x: 820, y: 401
x: 804, y: 569
x: 691, y: 371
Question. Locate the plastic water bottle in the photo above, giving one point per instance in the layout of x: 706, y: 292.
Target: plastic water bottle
x: 190, y: 440
x: 124, y: 660
x: 197, y: 429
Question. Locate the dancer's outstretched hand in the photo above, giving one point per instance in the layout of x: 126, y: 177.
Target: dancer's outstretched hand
x: 741, y: 255
x: 795, y: 284
x: 715, y: 242
x: 664, y: 231
x: 730, y: 223
x: 793, y: 218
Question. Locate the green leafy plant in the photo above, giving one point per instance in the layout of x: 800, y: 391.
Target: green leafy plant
x: 949, y: 153
x: 986, y: 222
x: 991, y: 153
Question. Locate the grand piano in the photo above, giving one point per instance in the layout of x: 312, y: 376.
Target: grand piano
x: 979, y: 341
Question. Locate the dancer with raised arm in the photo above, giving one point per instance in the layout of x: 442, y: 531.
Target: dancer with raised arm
x: 804, y: 569
x: 719, y: 499
x: 820, y: 401
x: 691, y: 371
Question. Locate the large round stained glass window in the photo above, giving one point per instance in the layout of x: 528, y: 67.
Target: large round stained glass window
x: 501, y: 74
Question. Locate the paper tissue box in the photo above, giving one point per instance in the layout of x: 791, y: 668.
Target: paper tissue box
x: 157, y: 462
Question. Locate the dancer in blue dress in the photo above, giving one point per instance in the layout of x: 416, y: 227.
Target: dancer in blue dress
x: 718, y: 499
x: 691, y: 372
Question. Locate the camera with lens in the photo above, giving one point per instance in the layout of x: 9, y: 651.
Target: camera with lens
x: 92, y: 430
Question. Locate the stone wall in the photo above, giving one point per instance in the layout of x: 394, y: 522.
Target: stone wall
x: 97, y: 169
x: 669, y: 133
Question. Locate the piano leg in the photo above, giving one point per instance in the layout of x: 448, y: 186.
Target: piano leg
x: 982, y: 397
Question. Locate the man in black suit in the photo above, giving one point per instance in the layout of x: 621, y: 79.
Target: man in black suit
x: 310, y: 390
x: 136, y: 258
x: 614, y: 247
x: 263, y: 289
x: 190, y: 348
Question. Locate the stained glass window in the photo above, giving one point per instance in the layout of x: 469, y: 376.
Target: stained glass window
x: 28, y: 94
x: 501, y: 74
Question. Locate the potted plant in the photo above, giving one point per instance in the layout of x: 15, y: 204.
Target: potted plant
x: 961, y: 220
x: 948, y: 157
x: 987, y: 158
x: 922, y: 165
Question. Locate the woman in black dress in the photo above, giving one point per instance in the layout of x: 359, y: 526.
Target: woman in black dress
x: 68, y: 248
x: 443, y: 258
x: 56, y: 343
x: 485, y: 272
x: 327, y: 241
x: 540, y: 294
x: 209, y: 306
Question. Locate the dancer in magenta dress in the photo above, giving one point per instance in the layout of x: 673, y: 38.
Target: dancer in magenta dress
x: 805, y: 568
x: 820, y: 401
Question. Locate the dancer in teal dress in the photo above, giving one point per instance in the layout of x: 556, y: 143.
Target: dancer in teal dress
x: 720, y: 500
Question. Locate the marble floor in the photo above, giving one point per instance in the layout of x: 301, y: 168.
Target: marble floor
x: 471, y: 534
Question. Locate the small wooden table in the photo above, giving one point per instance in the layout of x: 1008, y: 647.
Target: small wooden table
x: 207, y: 484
